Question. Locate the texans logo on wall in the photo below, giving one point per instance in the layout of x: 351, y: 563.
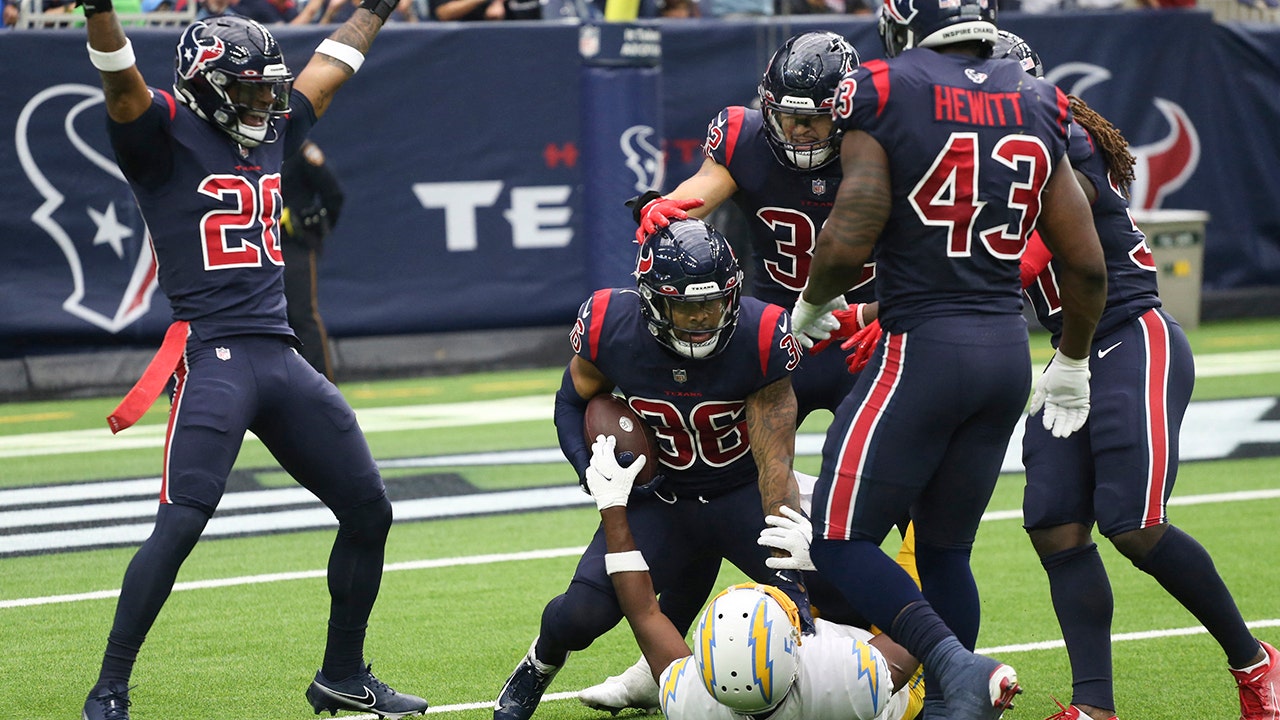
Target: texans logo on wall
x: 87, y: 209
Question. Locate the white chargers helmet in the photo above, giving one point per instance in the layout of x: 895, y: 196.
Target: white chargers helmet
x: 745, y: 646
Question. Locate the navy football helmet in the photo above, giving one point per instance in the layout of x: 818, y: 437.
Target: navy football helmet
x: 906, y: 24
x: 230, y: 71
x: 689, y: 281
x: 1009, y: 45
x: 801, y: 82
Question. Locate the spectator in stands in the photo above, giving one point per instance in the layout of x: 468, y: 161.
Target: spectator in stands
x: 678, y: 9
x: 11, y: 13
x: 734, y: 9
x: 468, y: 10
x: 337, y: 11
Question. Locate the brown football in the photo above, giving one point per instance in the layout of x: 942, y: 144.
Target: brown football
x: 609, y: 414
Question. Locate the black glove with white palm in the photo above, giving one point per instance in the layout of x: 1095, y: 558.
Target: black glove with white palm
x: 607, y: 481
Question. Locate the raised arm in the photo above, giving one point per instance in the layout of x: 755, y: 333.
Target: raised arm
x: 340, y: 55
x: 111, y: 53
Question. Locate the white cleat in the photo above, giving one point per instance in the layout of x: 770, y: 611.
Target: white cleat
x: 634, y: 688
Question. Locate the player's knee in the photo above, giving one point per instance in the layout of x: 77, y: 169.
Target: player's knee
x: 575, y: 619
x: 1137, y: 544
x: 179, y: 526
x: 1059, y: 538
x: 368, y: 522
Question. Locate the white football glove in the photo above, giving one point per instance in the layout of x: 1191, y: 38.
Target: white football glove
x: 811, y: 322
x: 1063, y: 392
x: 610, y: 483
x: 791, y: 533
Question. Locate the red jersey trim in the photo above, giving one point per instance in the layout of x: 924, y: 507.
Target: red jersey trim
x: 599, y: 304
x: 732, y: 130
x: 879, y: 70
x: 768, y: 323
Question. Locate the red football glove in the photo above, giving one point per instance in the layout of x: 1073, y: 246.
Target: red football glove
x: 850, y: 324
x: 659, y: 212
x: 863, y: 343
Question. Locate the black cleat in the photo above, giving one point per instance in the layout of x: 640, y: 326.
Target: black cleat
x: 524, y: 689
x: 107, y: 701
x: 361, y: 692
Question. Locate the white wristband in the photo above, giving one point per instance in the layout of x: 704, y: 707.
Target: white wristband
x: 113, y: 61
x: 343, y: 52
x: 630, y: 561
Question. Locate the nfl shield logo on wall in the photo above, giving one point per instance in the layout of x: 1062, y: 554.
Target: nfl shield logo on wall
x: 819, y: 186
x: 679, y: 375
x: 223, y: 353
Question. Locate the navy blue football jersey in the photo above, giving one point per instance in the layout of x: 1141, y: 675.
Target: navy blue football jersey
x: 695, y: 407
x: 1131, y: 271
x: 785, y: 207
x: 971, y: 144
x: 212, y: 209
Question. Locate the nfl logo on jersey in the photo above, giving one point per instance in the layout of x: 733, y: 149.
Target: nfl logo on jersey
x: 679, y: 375
x: 819, y: 186
x: 223, y: 353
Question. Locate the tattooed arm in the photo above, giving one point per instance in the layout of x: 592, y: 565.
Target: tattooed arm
x: 860, y: 213
x: 771, y: 425
x: 324, y: 74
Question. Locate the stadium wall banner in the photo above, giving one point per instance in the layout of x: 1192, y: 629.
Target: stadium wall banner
x: 460, y: 147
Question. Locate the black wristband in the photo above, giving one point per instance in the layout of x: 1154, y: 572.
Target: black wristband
x: 381, y: 8
x: 637, y: 203
x: 93, y: 7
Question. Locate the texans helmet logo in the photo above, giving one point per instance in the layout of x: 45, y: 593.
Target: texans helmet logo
x: 644, y: 263
x: 194, y: 51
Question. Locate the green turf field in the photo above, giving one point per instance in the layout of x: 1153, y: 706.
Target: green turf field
x: 242, y: 634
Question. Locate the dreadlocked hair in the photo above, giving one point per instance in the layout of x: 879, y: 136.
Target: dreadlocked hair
x: 1107, y: 138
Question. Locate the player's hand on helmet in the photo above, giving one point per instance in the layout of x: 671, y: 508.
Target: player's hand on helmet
x: 1063, y: 392
x: 610, y: 483
x: 660, y: 211
x: 811, y: 322
x: 791, y: 533
x: 863, y: 343
x: 851, y: 322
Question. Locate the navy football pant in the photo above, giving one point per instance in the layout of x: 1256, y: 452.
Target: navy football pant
x: 923, y: 433
x: 822, y: 381
x: 259, y: 383
x: 682, y: 542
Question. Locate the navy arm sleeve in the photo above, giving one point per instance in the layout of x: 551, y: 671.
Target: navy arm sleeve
x: 570, y: 417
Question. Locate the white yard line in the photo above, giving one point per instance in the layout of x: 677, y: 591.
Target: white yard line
x: 483, y: 412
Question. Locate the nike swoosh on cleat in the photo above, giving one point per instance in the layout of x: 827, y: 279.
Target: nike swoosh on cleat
x: 1103, y: 353
x: 368, y: 699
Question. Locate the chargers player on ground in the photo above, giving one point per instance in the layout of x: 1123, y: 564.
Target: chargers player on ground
x: 749, y: 657
x: 706, y: 369
x: 950, y: 160
x: 204, y: 164
x: 1118, y: 471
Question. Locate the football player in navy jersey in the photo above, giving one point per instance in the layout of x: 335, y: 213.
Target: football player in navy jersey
x: 706, y: 369
x: 204, y: 164
x: 950, y: 159
x: 1118, y: 472
x: 779, y: 164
